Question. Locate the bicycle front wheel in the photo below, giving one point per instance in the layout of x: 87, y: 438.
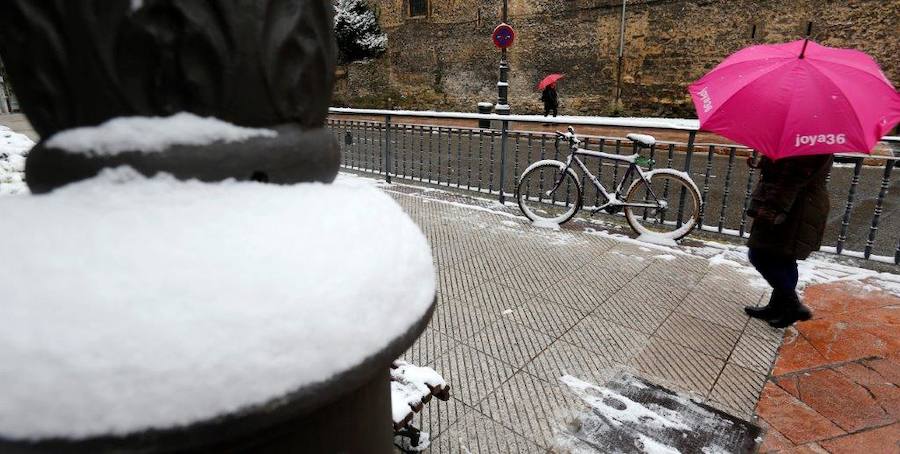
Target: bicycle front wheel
x: 547, y: 193
x: 668, y: 204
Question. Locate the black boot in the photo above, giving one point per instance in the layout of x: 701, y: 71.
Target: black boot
x: 768, y: 312
x: 792, y: 311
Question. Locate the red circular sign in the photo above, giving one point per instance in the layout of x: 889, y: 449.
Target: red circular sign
x: 503, y: 36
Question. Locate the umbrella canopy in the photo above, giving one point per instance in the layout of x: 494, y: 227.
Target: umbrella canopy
x: 549, y: 80
x: 798, y: 98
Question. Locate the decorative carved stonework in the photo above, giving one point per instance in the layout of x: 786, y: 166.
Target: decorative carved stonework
x: 257, y: 63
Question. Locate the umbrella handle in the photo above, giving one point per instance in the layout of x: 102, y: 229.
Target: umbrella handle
x: 803, y: 52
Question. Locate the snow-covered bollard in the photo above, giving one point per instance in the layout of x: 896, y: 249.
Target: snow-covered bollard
x: 159, y: 297
x: 139, y: 306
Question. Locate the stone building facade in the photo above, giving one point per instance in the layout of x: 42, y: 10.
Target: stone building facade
x: 441, y: 56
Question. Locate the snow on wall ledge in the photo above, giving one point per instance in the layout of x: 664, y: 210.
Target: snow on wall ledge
x: 149, y: 303
x: 150, y: 134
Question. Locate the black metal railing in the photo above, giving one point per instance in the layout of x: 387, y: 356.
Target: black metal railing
x: 450, y: 153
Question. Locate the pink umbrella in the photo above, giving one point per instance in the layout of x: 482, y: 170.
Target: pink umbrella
x: 798, y: 98
x: 549, y: 80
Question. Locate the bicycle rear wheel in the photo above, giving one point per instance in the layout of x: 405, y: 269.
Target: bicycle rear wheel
x: 546, y: 194
x: 676, y: 204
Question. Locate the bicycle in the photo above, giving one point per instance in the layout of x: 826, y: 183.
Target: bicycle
x: 646, y: 203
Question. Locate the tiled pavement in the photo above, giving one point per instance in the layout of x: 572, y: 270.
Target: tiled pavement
x: 518, y: 307
x: 836, y: 384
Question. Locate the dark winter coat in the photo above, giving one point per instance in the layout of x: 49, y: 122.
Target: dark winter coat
x: 550, y: 98
x: 790, y: 206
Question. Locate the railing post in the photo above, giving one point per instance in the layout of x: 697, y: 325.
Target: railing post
x: 879, y: 205
x: 845, y: 222
x: 387, y: 148
x: 687, y: 170
x: 504, y: 134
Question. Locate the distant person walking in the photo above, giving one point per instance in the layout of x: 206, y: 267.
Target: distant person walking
x: 551, y: 99
x: 789, y: 209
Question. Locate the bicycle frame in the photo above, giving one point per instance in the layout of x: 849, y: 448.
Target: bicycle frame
x: 612, y: 198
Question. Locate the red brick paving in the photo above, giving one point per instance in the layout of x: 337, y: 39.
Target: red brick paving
x: 835, y: 387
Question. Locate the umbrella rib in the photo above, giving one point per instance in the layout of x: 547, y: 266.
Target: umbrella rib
x: 853, y: 67
x: 879, y: 79
x: 846, y: 99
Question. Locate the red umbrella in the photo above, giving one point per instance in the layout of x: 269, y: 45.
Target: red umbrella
x: 549, y: 80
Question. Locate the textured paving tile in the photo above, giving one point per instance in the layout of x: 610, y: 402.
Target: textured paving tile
x: 618, y: 259
x: 665, y: 274
x: 531, y: 407
x: 452, y: 283
x: 609, y: 339
x: 495, y: 296
x: 430, y: 345
x: 485, y: 265
x: 562, y: 358
x: 510, y: 342
x: 640, y: 291
x: 478, y: 434
x: 529, y: 280
x: 762, y: 330
x: 601, y: 279
x: 460, y: 320
x: 737, y: 292
x: 688, y: 369
x: 700, y: 335
x: 437, y: 416
x: 579, y: 296
x: 646, y: 317
x: 738, y: 389
x: 546, y: 317
x: 710, y: 308
x: 754, y: 353
x: 472, y: 374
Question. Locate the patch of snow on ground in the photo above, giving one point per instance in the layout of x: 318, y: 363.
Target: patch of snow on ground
x: 140, y: 303
x: 666, y: 257
x: 544, y: 224
x: 651, y: 446
x: 152, y: 134
x: 657, y: 239
x: 721, y: 260
x: 618, y: 409
x: 14, y: 148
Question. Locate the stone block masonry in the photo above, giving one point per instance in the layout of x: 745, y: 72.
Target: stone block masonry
x: 445, y: 60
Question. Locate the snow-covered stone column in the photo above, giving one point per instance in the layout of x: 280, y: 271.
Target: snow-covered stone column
x: 147, y: 311
x: 254, y: 64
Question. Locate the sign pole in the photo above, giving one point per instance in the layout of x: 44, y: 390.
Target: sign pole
x: 621, y: 55
x: 503, y: 85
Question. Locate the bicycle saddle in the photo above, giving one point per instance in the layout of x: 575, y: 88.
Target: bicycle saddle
x: 643, y: 140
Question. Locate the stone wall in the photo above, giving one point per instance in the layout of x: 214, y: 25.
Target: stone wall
x: 446, y: 60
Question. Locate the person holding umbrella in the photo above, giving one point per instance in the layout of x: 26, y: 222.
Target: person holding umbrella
x: 796, y: 103
x: 549, y: 95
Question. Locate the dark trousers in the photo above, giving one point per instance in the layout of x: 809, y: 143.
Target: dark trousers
x: 548, y: 109
x: 778, y: 270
